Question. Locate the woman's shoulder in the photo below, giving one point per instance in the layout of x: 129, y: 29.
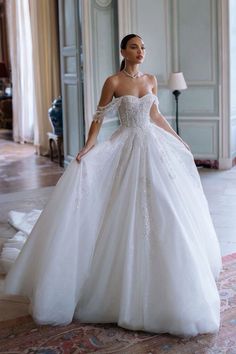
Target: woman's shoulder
x: 150, y: 77
x: 152, y: 80
x: 111, y: 81
x: 114, y: 78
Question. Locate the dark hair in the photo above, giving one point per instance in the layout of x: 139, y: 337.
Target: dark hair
x: 123, y: 45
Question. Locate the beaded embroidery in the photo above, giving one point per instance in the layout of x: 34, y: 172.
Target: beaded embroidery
x: 135, y: 128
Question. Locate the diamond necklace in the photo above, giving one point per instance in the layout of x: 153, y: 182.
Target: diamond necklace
x: 135, y: 76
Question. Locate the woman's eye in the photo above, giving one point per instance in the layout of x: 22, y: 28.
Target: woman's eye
x: 136, y: 47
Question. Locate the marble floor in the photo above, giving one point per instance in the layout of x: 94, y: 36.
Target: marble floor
x: 26, y: 178
x: 220, y: 190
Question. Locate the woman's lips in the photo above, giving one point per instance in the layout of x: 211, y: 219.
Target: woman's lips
x: 140, y: 57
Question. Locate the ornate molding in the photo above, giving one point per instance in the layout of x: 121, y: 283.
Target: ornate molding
x: 175, y: 33
x: 103, y: 3
x: 212, y: 128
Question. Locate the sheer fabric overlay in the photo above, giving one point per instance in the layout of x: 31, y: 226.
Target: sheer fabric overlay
x: 126, y: 236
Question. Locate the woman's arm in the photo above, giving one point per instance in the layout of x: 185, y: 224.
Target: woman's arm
x: 106, y: 97
x: 160, y: 120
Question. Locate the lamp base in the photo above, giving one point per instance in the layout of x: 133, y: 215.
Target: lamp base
x: 176, y: 93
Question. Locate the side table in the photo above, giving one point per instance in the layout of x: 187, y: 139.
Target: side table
x: 57, y: 140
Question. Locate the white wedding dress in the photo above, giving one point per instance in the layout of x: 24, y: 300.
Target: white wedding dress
x: 126, y: 236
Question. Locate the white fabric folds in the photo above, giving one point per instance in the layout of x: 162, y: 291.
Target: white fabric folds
x: 126, y: 236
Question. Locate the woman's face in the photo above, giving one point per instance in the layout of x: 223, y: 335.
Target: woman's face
x: 134, y: 51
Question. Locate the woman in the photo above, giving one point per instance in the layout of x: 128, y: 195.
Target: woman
x: 127, y: 235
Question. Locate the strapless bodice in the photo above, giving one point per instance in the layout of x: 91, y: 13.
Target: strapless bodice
x: 133, y: 111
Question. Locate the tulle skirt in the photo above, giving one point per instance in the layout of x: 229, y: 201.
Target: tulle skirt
x: 127, y: 238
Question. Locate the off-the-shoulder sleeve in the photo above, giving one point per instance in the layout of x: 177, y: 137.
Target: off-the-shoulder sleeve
x: 110, y: 110
x: 156, y: 102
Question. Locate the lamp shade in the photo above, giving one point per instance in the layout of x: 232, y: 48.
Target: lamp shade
x: 177, y: 82
x: 3, y: 70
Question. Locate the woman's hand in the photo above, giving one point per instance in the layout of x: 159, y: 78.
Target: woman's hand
x: 83, y: 151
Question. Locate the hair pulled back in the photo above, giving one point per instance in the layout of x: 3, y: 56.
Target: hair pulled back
x: 123, y: 45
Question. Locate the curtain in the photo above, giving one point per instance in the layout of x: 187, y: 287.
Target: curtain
x: 20, y: 43
x: 45, y: 57
x: 34, y: 52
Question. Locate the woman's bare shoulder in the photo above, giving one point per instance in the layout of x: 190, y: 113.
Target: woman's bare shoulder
x: 152, y: 82
x: 150, y: 77
x: 109, y: 89
x: 113, y: 81
x: 115, y: 77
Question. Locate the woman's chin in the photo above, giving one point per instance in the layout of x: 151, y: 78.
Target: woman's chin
x: 137, y: 62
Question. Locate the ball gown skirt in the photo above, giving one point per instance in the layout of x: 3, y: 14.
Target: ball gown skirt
x: 126, y: 236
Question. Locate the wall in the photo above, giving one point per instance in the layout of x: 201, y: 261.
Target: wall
x: 191, y: 36
x: 181, y: 35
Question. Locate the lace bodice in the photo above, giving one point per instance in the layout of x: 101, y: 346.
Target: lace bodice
x: 133, y: 111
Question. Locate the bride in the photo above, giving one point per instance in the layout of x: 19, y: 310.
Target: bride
x: 126, y: 236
